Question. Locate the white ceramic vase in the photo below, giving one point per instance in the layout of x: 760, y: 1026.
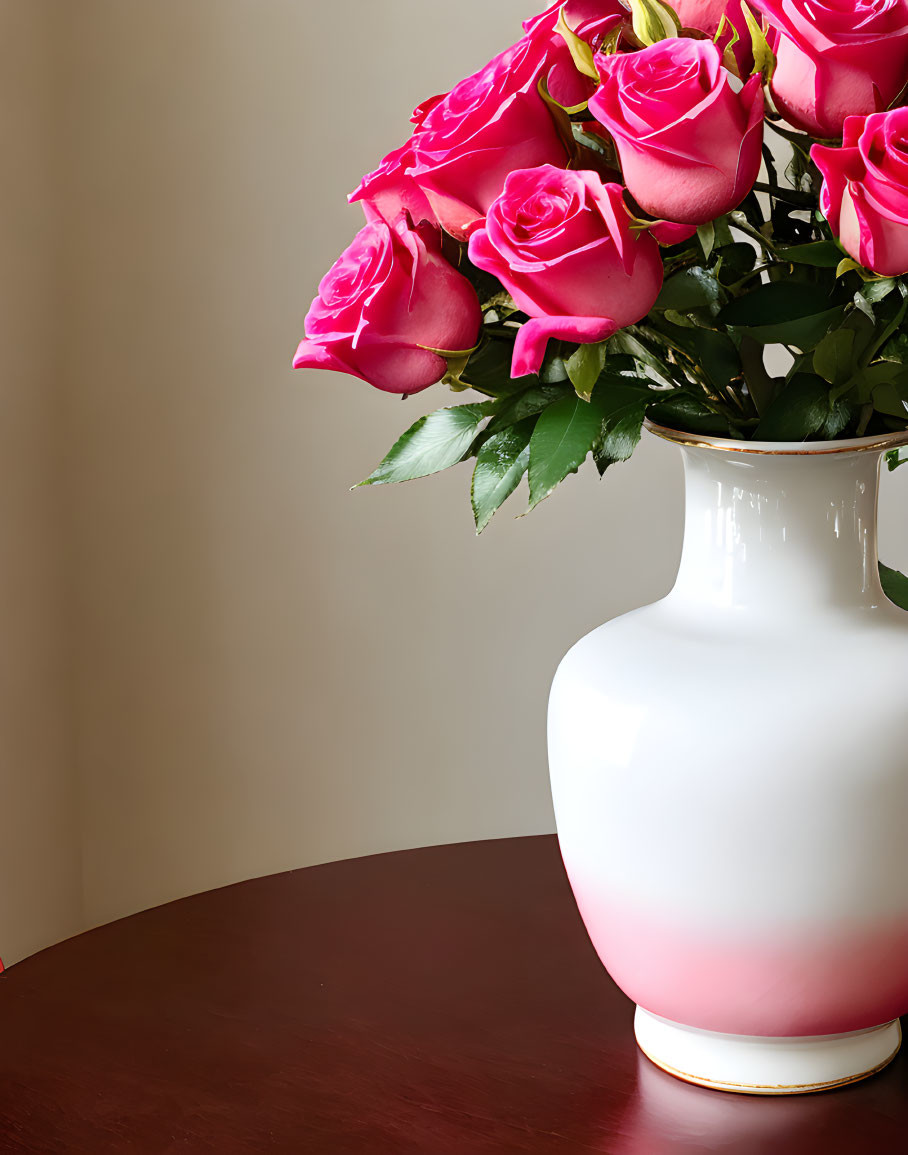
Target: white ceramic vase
x: 730, y: 776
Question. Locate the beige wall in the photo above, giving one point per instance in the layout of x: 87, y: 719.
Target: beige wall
x: 273, y: 670
x: 268, y: 670
x: 40, y: 889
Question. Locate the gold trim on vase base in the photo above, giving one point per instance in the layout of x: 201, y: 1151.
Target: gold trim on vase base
x: 780, y: 448
x: 769, y: 1088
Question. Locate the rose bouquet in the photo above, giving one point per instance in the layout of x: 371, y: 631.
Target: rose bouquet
x: 614, y: 219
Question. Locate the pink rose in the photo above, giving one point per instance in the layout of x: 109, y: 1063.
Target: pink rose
x: 837, y: 58
x: 592, y: 21
x: 706, y: 16
x: 865, y: 190
x: 688, y: 139
x: 390, y: 294
x: 390, y: 191
x: 468, y: 141
x: 421, y: 111
x: 561, y: 243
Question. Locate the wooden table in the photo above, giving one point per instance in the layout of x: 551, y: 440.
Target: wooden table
x: 442, y: 1001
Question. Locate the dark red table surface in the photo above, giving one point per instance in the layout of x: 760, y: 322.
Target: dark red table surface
x: 442, y: 1001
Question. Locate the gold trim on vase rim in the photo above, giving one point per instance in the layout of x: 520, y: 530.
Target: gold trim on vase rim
x: 779, y: 448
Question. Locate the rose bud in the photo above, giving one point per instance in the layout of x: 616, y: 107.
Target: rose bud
x: 562, y: 244
x: 687, y: 135
x: 836, y: 58
x: 865, y: 190
x: 385, y: 305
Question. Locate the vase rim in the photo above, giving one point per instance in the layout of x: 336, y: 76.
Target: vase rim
x: 878, y: 443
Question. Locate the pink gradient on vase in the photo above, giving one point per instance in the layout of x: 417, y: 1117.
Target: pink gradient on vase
x: 799, y: 982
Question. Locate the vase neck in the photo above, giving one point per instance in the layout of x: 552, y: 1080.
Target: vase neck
x: 780, y: 530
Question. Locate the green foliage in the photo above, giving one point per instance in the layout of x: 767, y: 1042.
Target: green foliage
x: 894, y: 459
x: 564, y: 435
x: 798, y: 412
x: 895, y: 585
x: 690, y: 289
x: 489, y: 370
x: 833, y: 356
x: 819, y: 254
x: 431, y: 444
x: 623, y: 410
x: 896, y: 349
x: 526, y: 404
x: 688, y: 411
x: 783, y: 312
x: 584, y: 366
x: 652, y: 21
x: 500, y: 465
x: 764, y: 59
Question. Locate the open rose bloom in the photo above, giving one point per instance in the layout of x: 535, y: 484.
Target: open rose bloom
x: 614, y: 218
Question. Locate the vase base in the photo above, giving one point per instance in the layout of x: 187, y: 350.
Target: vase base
x: 763, y: 1065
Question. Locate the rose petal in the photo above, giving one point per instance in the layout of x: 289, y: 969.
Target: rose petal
x: 534, y: 335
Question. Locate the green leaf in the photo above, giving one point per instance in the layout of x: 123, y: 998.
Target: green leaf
x: 584, y: 366
x: 688, y: 412
x: 801, y: 332
x: 864, y: 385
x: 564, y: 435
x: 706, y: 234
x: 591, y: 141
x: 760, y: 385
x: 877, y: 290
x: 693, y: 288
x: 840, y: 416
x: 819, y: 254
x: 728, y: 56
x: 864, y: 329
x: 895, y: 585
x: 892, y: 312
x: 894, y: 459
x: 620, y: 435
x: 623, y: 405
x: 625, y: 342
x: 581, y: 52
x: 718, y: 356
x: 896, y: 349
x: 489, y: 370
x: 520, y: 405
x: 833, y: 357
x: 799, y: 411
x: 847, y: 266
x: 864, y: 307
x: 776, y: 303
x: 724, y: 235
x: 890, y: 398
x: 764, y: 58
x: 432, y: 443
x: 735, y: 260
x: 554, y: 368
x: 653, y: 21
x: 500, y: 464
